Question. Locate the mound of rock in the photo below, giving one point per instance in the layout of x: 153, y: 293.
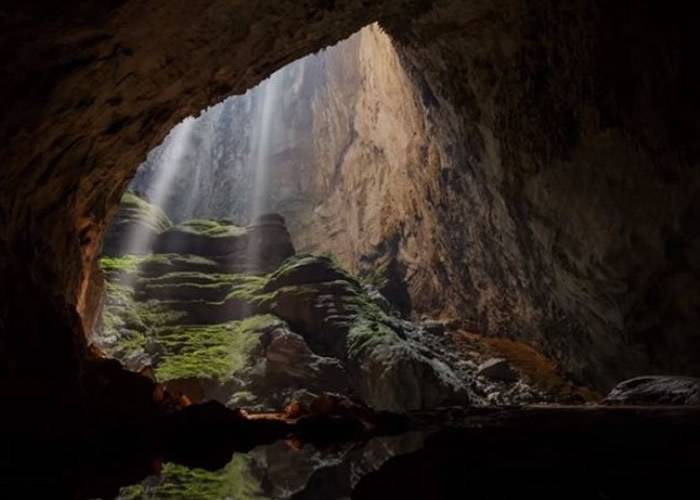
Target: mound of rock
x: 338, y: 318
x: 135, y: 227
x: 230, y: 313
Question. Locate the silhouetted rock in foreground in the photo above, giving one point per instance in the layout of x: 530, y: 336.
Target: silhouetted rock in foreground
x: 656, y: 390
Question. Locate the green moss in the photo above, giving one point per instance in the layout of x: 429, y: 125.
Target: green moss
x: 211, y: 228
x: 249, y: 288
x: 376, y: 278
x: 157, y: 264
x: 131, y: 342
x: 185, y: 291
x: 321, y: 263
x: 170, y: 258
x: 118, y: 293
x: 302, y: 290
x: 135, y: 208
x: 160, y: 264
x: 366, y: 334
x: 213, y: 351
x: 191, y: 277
x: 236, y: 481
x: 125, y: 264
x: 156, y: 314
x: 128, y: 323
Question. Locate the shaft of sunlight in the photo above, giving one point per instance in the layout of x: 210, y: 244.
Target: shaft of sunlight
x: 139, y: 239
x: 264, y: 130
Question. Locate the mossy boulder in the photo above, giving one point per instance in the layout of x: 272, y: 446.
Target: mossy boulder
x: 157, y: 265
x: 306, y: 270
x: 201, y: 237
x: 216, y: 352
x: 183, y: 291
x: 236, y: 480
x: 338, y: 318
x: 135, y: 227
x: 260, y: 247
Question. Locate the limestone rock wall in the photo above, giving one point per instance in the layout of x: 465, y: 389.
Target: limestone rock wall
x: 569, y: 216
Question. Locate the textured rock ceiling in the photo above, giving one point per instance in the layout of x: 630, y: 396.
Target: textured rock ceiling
x: 575, y: 128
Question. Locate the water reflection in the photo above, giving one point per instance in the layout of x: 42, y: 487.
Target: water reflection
x: 278, y: 471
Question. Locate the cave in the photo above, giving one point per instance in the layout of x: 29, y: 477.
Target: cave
x: 349, y: 249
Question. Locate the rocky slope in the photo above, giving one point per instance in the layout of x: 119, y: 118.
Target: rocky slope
x: 219, y: 311
x: 230, y: 313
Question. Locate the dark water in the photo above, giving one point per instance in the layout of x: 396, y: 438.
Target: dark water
x: 277, y: 471
x: 573, y: 453
x: 545, y: 453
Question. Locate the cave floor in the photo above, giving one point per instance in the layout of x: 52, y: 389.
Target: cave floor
x: 539, y: 451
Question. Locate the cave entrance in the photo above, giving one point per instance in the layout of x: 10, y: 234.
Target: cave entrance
x: 290, y: 189
x: 282, y: 245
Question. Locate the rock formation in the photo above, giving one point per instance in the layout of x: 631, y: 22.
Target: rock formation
x: 223, y: 312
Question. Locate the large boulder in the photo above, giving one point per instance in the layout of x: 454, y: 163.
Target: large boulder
x: 656, y: 390
x: 135, y: 227
x: 207, y: 238
x: 338, y: 318
x: 307, y: 270
x: 260, y: 247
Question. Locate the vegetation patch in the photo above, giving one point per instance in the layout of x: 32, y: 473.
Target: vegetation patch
x: 214, y: 351
x: 213, y: 228
x: 156, y: 314
x: 127, y: 264
x: 186, y: 319
x: 128, y: 323
x: 236, y: 481
x: 135, y: 208
x: 191, y: 277
x: 307, y: 269
x: 250, y: 288
x: 165, y: 263
x: 366, y: 334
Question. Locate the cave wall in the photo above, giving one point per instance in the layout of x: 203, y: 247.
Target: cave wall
x: 570, y: 219
x: 567, y: 217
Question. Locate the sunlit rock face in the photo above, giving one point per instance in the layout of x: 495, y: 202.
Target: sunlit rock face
x: 566, y: 218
